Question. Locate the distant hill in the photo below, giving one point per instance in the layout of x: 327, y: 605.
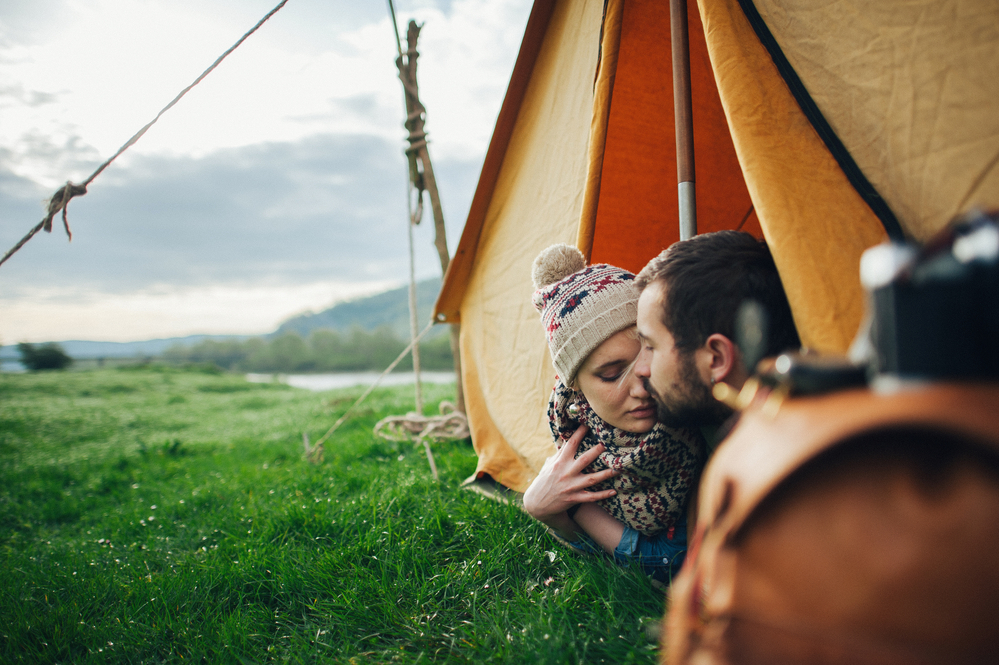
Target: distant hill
x: 390, y: 308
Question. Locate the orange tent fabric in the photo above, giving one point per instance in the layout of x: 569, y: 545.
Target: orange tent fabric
x: 636, y: 216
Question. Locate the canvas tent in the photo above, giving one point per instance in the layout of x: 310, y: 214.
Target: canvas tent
x: 825, y: 127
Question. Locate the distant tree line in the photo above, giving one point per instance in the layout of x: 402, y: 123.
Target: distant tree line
x: 43, y: 356
x: 323, y: 351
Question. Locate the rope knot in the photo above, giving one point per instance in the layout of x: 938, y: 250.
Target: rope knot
x: 60, y: 201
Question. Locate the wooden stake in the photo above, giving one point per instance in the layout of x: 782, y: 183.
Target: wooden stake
x: 425, y: 180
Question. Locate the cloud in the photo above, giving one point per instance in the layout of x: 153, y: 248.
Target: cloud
x: 30, y: 98
x: 167, y: 312
x: 282, y: 173
x: 229, y: 243
x: 105, y: 67
x: 28, y: 21
x: 330, y: 206
x: 15, y: 193
x: 64, y: 153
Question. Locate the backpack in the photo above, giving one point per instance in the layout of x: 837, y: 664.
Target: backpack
x: 853, y: 527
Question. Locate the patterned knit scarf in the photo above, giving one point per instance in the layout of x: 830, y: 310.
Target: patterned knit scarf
x: 658, y: 468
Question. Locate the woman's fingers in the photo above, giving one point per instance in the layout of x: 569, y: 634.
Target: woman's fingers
x: 587, y: 458
x: 572, y: 444
x: 584, y: 481
x: 599, y: 476
x: 589, y: 497
x: 571, y: 480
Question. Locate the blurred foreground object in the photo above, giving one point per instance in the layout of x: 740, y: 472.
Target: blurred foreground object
x: 848, y: 528
x: 933, y: 309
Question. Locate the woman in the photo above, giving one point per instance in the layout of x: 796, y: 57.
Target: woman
x: 627, y: 491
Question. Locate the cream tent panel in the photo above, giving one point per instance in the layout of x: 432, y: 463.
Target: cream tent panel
x: 911, y: 89
x: 813, y: 219
x: 536, y: 201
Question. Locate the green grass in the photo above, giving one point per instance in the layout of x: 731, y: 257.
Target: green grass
x: 157, y: 515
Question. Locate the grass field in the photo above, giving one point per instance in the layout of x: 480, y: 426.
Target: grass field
x: 163, y: 515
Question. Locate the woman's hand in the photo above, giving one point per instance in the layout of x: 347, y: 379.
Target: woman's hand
x: 562, y: 484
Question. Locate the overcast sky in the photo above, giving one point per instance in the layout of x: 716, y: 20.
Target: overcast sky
x: 274, y: 187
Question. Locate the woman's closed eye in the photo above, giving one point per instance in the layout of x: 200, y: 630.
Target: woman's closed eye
x: 612, y: 371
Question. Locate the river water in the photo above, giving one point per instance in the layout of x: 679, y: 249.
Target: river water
x: 348, y: 379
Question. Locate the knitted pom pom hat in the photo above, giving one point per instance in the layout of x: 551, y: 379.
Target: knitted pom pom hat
x: 580, y: 306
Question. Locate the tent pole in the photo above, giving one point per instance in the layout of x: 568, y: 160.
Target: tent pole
x: 684, y: 115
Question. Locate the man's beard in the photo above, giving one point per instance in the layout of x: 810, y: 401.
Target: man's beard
x: 690, y: 402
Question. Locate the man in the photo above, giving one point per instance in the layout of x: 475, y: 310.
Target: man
x: 690, y: 297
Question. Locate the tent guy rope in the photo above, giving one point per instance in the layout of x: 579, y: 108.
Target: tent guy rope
x: 314, y: 453
x: 448, y: 426
x: 60, y: 200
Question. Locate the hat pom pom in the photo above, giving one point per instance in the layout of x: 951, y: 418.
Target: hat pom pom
x: 555, y: 264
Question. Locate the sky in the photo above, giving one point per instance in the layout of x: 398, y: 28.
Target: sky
x: 276, y: 186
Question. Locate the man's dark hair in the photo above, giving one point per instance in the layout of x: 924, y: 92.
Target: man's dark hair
x: 705, y: 281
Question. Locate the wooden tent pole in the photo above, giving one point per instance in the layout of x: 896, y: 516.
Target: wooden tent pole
x: 683, y: 112
x: 424, y: 180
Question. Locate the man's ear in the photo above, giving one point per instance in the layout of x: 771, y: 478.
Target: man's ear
x: 723, y: 361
